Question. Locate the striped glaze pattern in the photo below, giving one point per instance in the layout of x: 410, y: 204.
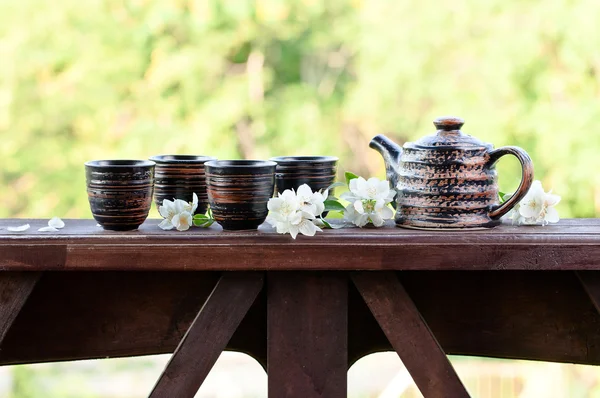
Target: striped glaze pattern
x: 238, y: 191
x: 448, y: 180
x: 120, y: 192
x: 451, y: 187
x: 318, y: 172
x: 179, y: 177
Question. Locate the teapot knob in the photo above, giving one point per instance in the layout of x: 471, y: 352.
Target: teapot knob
x: 448, y: 123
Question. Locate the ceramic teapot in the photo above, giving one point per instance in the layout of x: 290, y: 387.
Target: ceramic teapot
x: 448, y: 180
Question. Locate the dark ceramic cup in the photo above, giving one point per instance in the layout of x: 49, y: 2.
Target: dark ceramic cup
x: 318, y: 172
x: 120, y: 192
x: 238, y: 191
x: 178, y: 177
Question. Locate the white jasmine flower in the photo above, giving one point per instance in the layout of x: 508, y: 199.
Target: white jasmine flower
x: 177, y: 214
x: 537, y: 207
x: 361, y: 212
x: 368, y: 201
x: 284, y: 213
x: 296, y: 213
x: 371, y: 189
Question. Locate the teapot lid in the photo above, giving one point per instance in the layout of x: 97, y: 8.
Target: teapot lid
x: 449, y: 135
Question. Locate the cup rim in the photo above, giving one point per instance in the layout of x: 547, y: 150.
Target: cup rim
x: 106, y: 163
x: 302, y: 159
x: 170, y: 159
x: 242, y: 164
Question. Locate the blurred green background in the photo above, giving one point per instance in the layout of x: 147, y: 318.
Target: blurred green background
x: 102, y: 79
x: 82, y: 80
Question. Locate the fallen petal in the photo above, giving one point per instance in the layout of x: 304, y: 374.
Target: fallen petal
x: 48, y: 229
x: 20, y: 228
x: 56, y: 222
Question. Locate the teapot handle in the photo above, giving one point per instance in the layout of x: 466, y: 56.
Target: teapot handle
x: 498, y: 211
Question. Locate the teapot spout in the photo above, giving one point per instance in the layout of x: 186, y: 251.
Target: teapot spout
x: 391, y: 153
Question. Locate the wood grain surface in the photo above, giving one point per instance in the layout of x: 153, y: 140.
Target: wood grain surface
x: 307, y: 315
x: 81, y: 245
x: 506, y: 314
x: 208, y: 335
x: 409, y: 334
x: 15, y: 288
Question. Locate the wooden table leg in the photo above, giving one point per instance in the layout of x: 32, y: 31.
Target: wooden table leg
x: 590, y: 280
x: 409, y: 334
x: 307, y: 316
x: 15, y: 288
x: 208, y: 335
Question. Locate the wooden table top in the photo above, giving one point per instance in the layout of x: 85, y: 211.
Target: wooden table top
x: 572, y: 244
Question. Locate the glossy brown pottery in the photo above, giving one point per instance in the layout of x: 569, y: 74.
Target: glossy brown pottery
x: 179, y: 177
x: 448, y: 180
x: 318, y: 172
x: 120, y: 192
x: 238, y: 191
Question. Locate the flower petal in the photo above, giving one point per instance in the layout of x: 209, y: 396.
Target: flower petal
x: 166, y: 210
x: 386, y: 213
x: 376, y: 219
x: 282, y: 227
x: 552, y: 215
x: 349, y: 213
x: 274, y: 204
x: 194, y: 202
x: 362, y: 188
x: 536, y: 188
x: 307, y: 228
x: 349, y: 196
x: 358, y: 206
x: 180, y: 205
x: 362, y: 220
x: 531, y: 207
x: 383, y: 189
x: 390, y: 196
x: 353, y: 185
x: 20, y: 228
x: 304, y: 191
x: 551, y: 199
x: 48, y: 229
x: 184, y: 221
x: 165, y: 224
x: 56, y: 222
x: 295, y: 218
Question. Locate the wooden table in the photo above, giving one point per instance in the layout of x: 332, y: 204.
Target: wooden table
x: 305, y: 309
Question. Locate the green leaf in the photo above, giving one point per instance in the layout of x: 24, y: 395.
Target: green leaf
x: 501, y: 196
x: 326, y: 224
x: 335, y: 185
x: 350, y: 176
x: 204, y: 223
x: 333, y: 205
